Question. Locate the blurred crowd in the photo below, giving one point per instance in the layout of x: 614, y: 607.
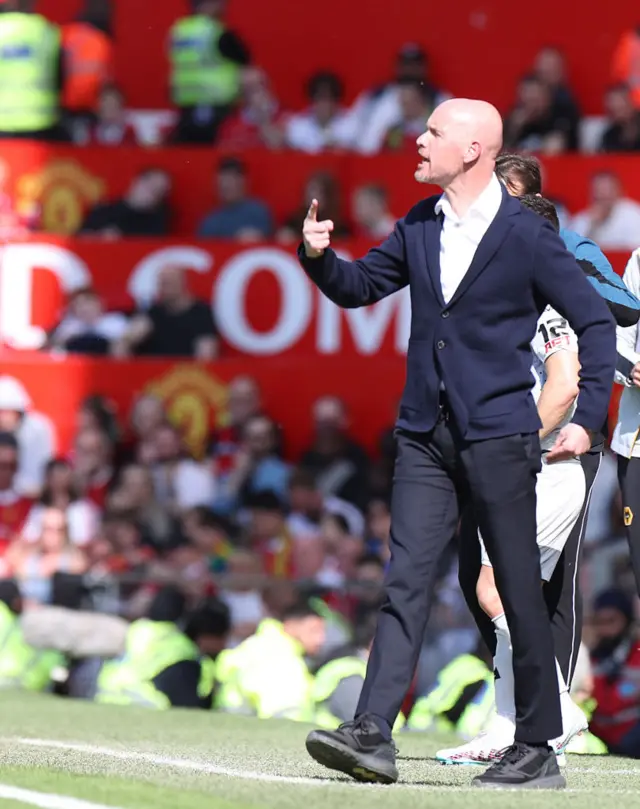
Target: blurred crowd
x: 236, y: 552
x: 223, y: 98
x: 271, y: 566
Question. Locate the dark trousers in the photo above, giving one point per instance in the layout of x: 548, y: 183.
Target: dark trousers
x: 437, y: 475
x: 561, y: 593
x: 629, y: 479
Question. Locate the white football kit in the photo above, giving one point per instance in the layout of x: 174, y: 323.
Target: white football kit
x: 560, y: 488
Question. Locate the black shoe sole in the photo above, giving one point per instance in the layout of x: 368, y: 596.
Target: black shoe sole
x: 546, y: 782
x: 360, y: 766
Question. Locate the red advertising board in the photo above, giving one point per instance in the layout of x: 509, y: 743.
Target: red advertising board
x: 66, y: 181
x: 476, y: 49
x: 195, y: 394
x: 264, y: 304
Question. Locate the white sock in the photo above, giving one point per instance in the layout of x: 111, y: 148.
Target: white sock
x: 562, y: 686
x: 503, y: 666
x: 566, y: 703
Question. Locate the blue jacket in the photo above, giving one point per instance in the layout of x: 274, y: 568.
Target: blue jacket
x: 478, y: 344
x: 624, y: 305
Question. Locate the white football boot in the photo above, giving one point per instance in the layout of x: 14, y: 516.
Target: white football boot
x: 487, y: 746
x: 574, y: 722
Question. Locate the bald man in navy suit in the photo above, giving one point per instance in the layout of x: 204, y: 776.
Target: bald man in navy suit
x: 480, y: 269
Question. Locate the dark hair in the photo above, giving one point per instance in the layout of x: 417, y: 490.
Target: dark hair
x: 208, y: 518
x: 211, y: 618
x: 102, y: 409
x: 82, y: 292
x: 265, y: 500
x: 300, y: 609
x: 232, y: 164
x: 543, y: 207
x: 522, y: 169
x: 8, y: 440
x: 303, y: 478
x: 46, y: 498
x: 112, y: 88
x: 370, y: 559
x: 620, y: 87
x: 365, y: 631
x: 114, y: 516
x: 168, y: 605
x: 325, y: 82
x: 418, y: 85
x: 339, y: 520
x: 614, y: 599
x: 10, y: 593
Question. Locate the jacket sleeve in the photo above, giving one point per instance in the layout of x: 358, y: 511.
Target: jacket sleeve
x: 624, y: 305
x: 626, y: 338
x: 562, y: 283
x: 351, y: 284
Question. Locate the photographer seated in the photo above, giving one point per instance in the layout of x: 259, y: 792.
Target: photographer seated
x: 162, y: 667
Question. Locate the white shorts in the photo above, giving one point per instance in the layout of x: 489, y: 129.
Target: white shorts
x: 560, y: 493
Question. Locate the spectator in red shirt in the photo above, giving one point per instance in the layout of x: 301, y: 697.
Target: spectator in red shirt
x: 93, y: 465
x: 243, y: 403
x: 147, y: 414
x: 259, y: 120
x: 269, y: 535
x: 111, y: 127
x: 14, y: 506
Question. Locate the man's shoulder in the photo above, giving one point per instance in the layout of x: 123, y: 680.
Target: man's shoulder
x: 422, y: 211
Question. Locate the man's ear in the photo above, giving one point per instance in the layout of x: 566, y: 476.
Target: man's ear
x: 473, y: 152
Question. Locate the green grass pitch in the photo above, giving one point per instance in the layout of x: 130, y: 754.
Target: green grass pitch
x: 131, y: 758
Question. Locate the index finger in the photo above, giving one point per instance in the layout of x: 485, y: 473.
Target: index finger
x: 312, y: 213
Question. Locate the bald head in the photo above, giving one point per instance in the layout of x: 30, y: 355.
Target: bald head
x: 474, y: 121
x: 463, y: 136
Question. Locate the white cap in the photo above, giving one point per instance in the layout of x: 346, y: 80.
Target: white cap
x: 13, y: 395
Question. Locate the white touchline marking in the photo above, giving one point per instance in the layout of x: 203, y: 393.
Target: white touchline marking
x: 47, y: 800
x: 251, y: 775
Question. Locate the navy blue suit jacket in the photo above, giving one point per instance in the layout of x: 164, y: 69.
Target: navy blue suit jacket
x: 479, y: 343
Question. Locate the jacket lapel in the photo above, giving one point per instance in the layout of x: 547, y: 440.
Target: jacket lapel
x: 490, y: 243
x: 433, y: 231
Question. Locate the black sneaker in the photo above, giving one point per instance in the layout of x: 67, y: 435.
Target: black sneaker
x: 523, y: 767
x: 356, y: 748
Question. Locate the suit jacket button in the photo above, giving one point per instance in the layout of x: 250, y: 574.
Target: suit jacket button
x: 445, y: 313
x: 441, y: 344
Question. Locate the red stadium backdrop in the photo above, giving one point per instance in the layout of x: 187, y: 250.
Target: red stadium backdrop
x: 264, y: 304
x: 359, y: 40
x: 195, y: 394
x: 66, y: 181
x: 265, y: 307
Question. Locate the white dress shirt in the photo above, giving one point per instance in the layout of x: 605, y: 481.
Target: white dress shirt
x: 462, y: 235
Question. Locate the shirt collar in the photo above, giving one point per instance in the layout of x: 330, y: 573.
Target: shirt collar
x: 485, y: 206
